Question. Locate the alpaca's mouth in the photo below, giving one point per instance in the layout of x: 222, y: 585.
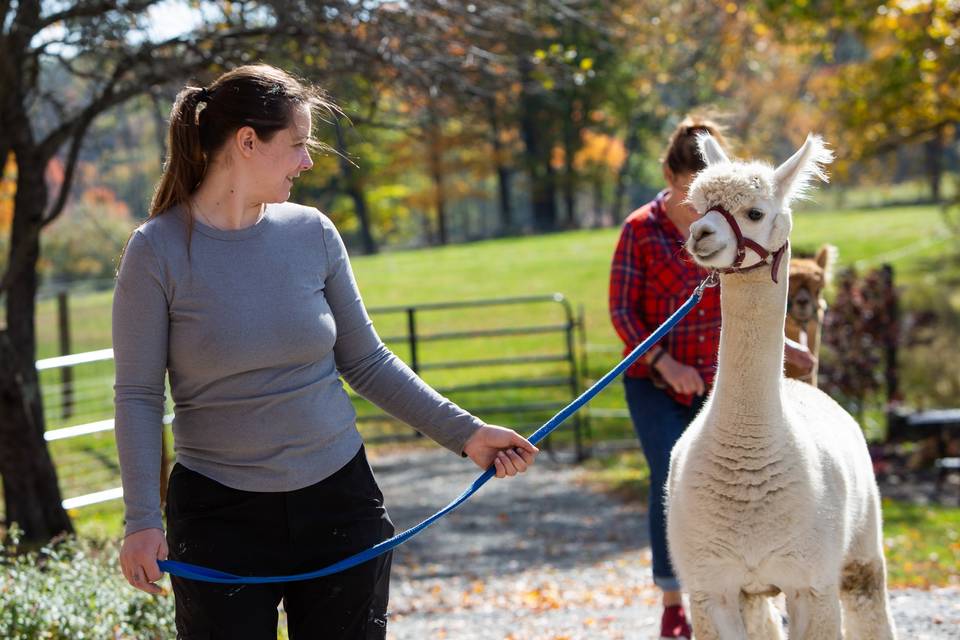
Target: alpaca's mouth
x: 707, y: 254
x: 801, y: 313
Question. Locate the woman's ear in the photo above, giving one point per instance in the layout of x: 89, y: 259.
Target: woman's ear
x: 246, y: 141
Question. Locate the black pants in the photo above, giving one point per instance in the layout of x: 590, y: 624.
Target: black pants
x: 265, y: 533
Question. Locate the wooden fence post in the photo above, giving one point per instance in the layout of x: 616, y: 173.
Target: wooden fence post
x: 66, y: 373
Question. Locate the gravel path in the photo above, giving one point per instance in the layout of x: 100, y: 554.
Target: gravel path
x: 542, y: 557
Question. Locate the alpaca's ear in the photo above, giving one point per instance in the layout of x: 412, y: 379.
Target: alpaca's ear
x: 792, y: 178
x: 826, y: 257
x: 710, y: 149
x: 823, y: 256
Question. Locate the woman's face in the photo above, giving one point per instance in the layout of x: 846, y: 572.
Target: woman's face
x: 278, y: 162
x: 679, y: 183
x: 679, y: 187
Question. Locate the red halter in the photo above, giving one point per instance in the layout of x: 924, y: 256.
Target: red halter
x: 746, y: 243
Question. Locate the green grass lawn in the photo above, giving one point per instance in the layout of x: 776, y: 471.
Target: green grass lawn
x: 575, y: 264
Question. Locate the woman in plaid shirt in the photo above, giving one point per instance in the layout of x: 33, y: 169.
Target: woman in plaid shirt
x: 650, y: 278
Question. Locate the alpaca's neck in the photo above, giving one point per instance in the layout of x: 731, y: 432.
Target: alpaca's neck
x: 750, y: 367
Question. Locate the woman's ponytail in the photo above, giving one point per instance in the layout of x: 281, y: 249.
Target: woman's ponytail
x: 186, y: 159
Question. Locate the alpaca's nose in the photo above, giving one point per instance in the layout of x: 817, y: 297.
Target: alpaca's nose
x: 701, y: 233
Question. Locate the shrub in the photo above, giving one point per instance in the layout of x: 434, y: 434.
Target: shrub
x: 72, y: 589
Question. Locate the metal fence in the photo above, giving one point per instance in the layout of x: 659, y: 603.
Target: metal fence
x: 517, y: 359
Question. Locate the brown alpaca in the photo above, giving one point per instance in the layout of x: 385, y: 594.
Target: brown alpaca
x: 806, y: 306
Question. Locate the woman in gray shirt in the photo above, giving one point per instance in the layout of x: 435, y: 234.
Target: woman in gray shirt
x: 249, y: 303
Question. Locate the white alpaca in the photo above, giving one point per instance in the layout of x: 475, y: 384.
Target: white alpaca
x: 771, y: 488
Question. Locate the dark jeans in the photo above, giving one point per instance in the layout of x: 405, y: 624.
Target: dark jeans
x: 659, y: 421
x: 271, y: 533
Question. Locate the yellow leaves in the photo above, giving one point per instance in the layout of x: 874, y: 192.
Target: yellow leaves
x: 731, y: 8
x: 543, y: 598
x: 940, y: 28
x: 908, y: 7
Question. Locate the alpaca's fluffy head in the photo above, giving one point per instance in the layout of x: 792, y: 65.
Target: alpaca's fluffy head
x: 808, y: 278
x: 756, y: 194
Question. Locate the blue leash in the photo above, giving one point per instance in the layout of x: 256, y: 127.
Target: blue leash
x: 204, y: 574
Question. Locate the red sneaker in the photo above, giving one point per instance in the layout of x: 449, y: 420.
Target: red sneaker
x: 673, y: 624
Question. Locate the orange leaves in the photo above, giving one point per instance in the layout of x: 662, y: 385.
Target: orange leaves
x: 542, y: 597
x: 55, y: 174
x: 106, y: 201
x: 600, y: 150
x: 8, y: 189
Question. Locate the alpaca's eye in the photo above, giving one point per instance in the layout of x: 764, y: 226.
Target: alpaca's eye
x: 755, y: 214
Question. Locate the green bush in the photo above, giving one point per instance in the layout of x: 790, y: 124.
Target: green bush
x: 73, y: 590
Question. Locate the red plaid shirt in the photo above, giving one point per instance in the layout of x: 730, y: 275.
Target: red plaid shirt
x: 650, y: 278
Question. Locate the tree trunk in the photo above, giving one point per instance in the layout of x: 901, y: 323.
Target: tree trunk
x: 537, y: 156
x: 542, y: 197
x: 569, y: 173
x: 31, y: 492
x: 440, y: 203
x: 435, y: 145
x: 598, y: 213
x: 503, y: 172
x: 934, y: 163
x: 620, y: 187
x: 354, y: 189
x: 506, y: 208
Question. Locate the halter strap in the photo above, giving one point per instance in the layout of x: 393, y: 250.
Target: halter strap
x: 744, y: 243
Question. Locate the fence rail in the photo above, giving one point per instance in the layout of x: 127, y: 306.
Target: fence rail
x: 567, y: 378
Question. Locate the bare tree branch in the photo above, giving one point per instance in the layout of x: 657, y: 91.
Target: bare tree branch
x: 92, y: 9
x: 71, y: 164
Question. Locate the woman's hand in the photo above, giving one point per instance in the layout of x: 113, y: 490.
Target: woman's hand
x: 799, y: 356
x: 681, y: 378
x: 508, y: 451
x: 138, y: 559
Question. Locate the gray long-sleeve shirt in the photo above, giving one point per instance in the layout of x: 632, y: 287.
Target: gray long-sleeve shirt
x: 255, y: 330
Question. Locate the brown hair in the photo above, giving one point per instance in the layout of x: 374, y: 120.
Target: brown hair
x: 682, y: 154
x: 203, y: 118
